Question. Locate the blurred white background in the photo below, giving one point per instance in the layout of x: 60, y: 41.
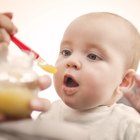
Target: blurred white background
x: 41, y: 23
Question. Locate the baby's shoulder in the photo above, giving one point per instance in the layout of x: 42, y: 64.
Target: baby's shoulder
x: 126, y: 112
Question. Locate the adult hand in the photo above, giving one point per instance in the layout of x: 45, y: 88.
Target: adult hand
x: 41, y: 104
x: 7, y: 28
x: 134, y: 96
x: 36, y: 103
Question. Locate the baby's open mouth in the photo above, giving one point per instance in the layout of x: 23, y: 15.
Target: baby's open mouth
x: 69, y: 81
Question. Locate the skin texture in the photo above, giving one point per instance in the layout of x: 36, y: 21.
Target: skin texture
x: 7, y: 28
x: 92, y: 55
x: 78, y: 59
x: 134, y: 98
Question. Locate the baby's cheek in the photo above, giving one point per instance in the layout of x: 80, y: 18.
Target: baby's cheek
x: 57, y: 78
x: 91, y: 96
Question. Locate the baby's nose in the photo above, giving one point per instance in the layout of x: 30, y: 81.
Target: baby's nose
x: 73, y: 64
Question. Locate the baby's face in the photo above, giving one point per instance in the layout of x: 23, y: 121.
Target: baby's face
x: 90, y: 67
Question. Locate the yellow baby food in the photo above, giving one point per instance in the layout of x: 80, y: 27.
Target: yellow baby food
x: 48, y: 68
x: 14, y: 101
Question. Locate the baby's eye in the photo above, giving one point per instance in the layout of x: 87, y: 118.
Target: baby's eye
x: 93, y: 56
x: 66, y: 52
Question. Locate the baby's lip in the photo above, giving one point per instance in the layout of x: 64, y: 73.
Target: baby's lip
x: 70, y: 81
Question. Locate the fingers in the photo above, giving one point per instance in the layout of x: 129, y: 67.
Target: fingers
x: 4, y: 37
x: 134, y: 96
x: 8, y: 14
x: 7, y: 28
x: 4, y: 43
x: 44, y: 82
x: 5, y: 23
x: 134, y: 99
x: 40, y: 104
x: 137, y: 80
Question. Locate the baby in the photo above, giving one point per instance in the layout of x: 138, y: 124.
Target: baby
x: 99, y: 55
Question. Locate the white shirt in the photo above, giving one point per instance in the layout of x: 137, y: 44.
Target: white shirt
x: 118, y: 122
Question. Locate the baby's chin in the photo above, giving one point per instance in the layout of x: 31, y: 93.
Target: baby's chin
x: 90, y: 107
x: 81, y: 107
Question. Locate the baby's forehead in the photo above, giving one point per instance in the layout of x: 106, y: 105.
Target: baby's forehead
x: 106, y: 18
x: 103, y: 16
x: 106, y: 22
x: 103, y: 26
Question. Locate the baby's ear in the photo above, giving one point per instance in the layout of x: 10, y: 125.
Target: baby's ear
x: 128, y: 80
x: 127, y: 83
